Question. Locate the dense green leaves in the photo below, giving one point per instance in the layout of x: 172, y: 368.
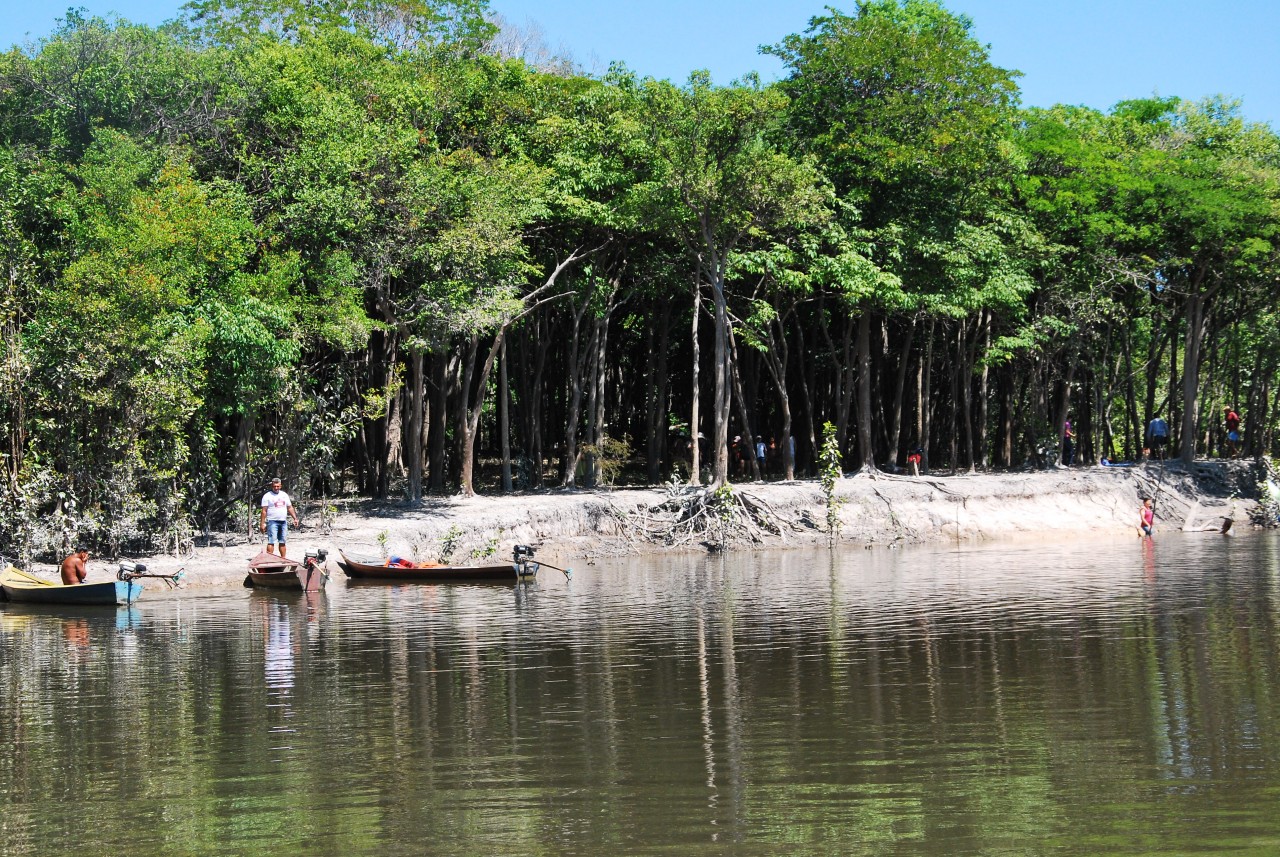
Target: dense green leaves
x: 300, y: 237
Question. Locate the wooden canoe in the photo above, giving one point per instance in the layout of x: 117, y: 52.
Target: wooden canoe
x: 427, y: 571
x: 23, y: 588
x: 278, y: 572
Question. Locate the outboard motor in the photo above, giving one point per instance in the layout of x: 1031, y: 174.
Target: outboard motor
x: 130, y: 570
x: 526, y: 566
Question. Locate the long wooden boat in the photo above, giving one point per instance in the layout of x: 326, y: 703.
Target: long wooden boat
x: 384, y: 571
x: 278, y: 572
x: 24, y: 588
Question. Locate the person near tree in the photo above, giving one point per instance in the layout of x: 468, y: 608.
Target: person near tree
x: 1232, y: 420
x: 1157, y: 436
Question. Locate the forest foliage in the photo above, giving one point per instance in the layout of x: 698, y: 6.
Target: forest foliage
x: 384, y: 249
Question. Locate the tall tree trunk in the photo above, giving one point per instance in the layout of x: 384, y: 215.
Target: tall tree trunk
x: 1006, y: 419
x: 466, y: 439
x: 588, y: 454
x: 953, y: 433
x: 723, y: 391
x: 1136, y: 436
x: 439, y: 417
x: 965, y: 348
x: 806, y: 391
x: 743, y: 414
x: 1175, y: 422
x: 695, y: 453
x: 1196, y: 319
x: 864, y: 393
x: 842, y: 378
x: 473, y: 411
x: 923, y: 398
x: 577, y: 380
x: 392, y: 462
x: 1256, y: 407
x: 983, y: 380
x: 504, y: 419
x: 846, y: 383
x: 600, y: 369
x: 541, y: 343
x: 899, y: 391
x: 415, y: 418
x: 1064, y: 406
x: 656, y: 387
x: 238, y: 484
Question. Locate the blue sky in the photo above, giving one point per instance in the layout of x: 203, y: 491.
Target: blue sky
x: 1086, y: 52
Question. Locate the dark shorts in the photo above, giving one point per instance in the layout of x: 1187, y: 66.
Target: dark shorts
x: 277, y: 532
x: 1159, y: 440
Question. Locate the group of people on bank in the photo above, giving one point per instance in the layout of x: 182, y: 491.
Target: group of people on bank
x: 767, y: 456
x: 1156, y: 446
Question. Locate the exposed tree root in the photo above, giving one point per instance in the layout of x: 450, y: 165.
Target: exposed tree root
x: 716, y: 519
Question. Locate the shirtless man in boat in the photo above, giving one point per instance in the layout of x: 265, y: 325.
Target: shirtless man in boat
x: 73, y: 570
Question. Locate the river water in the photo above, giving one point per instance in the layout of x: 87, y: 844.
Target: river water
x: 1115, y: 697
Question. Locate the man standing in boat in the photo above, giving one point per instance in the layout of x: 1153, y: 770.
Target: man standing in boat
x: 277, y: 509
x: 73, y: 568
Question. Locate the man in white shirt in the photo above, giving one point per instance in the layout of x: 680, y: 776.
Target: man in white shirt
x: 277, y: 509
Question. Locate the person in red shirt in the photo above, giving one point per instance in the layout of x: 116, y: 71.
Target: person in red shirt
x: 1148, y: 518
x: 1232, y: 419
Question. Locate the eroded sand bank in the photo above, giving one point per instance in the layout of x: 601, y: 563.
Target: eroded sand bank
x: 572, y: 527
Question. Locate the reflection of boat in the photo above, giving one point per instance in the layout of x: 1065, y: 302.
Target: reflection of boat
x: 271, y: 570
x: 26, y: 588
x: 522, y: 567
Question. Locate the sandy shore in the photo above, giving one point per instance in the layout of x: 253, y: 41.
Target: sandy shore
x: 572, y: 527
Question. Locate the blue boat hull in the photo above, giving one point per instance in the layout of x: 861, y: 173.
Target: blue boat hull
x: 111, y: 592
